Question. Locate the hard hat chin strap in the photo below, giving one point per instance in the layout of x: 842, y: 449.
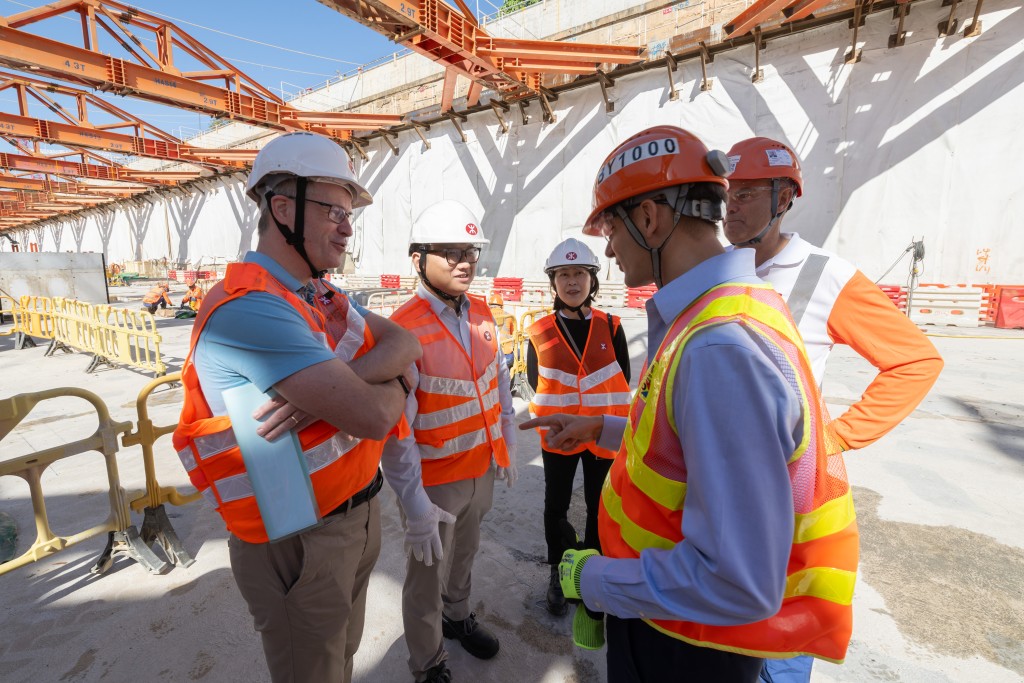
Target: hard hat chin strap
x: 296, y: 238
x: 680, y: 207
x: 776, y: 215
x: 444, y: 296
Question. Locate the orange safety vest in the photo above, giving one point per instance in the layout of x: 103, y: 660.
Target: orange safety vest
x: 206, y: 443
x: 566, y: 384
x: 642, y: 499
x: 458, y: 422
x: 154, y: 295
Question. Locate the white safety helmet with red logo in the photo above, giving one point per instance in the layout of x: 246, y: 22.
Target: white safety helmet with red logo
x: 572, y: 252
x: 447, y: 222
x: 315, y: 157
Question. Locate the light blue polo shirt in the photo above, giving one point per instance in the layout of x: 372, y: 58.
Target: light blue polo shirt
x: 257, y: 338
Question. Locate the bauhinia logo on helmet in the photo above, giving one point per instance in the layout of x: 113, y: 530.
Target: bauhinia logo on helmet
x: 571, y: 256
x: 471, y: 229
x: 645, y: 150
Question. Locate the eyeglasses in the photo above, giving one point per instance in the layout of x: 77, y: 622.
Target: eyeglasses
x: 455, y: 255
x: 745, y: 195
x: 335, y: 214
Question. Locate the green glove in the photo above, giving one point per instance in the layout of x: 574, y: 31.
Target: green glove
x: 587, y: 631
x: 570, y: 569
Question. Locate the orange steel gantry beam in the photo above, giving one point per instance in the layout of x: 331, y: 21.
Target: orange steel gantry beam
x: 112, y: 172
x: 762, y: 10
x: 153, y: 76
x: 453, y: 39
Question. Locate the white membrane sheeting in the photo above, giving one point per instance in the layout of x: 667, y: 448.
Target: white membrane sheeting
x: 918, y: 141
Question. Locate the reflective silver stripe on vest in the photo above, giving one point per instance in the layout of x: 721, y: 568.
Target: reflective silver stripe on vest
x: 328, y: 452
x: 238, y: 486
x: 806, y: 282
x: 188, y: 459
x: 556, y: 400
x: 459, y: 444
x: 448, y: 416
x: 210, y: 498
x: 448, y: 386
x: 235, y: 487
x: 209, y: 445
x: 556, y: 375
x: 612, y: 398
x: 484, y: 383
x: 352, y: 340
x: 602, y: 375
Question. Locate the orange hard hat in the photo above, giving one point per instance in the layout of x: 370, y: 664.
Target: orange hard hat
x: 495, y: 299
x: 760, y: 158
x: 655, y: 159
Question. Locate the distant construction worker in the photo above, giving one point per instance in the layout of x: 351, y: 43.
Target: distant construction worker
x: 832, y: 303
x: 157, y: 297
x: 462, y: 417
x: 306, y: 592
x: 728, y: 533
x: 193, y: 297
x: 577, y: 363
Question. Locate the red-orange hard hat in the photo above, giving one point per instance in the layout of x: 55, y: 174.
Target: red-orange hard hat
x: 759, y: 158
x: 657, y: 158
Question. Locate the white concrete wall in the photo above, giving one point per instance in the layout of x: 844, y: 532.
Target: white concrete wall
x: 916, y: 141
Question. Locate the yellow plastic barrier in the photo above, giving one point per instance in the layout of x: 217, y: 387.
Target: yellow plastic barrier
x: 156, y: 527
x: 74, y: 325
x: 122, y: 537
x: 129, y: 338
x: 517, y: 373
x: 112, y: 335
x: 32, y: 318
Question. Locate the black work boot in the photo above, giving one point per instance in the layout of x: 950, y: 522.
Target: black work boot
x: 438, y: 674
x: 475, y: 639
x: 556, y: 599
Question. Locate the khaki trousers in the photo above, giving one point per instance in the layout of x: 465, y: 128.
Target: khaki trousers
x: 307, y: 594
x: 444, y: 586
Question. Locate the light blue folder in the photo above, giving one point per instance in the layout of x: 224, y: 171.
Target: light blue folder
x: 277, y: 469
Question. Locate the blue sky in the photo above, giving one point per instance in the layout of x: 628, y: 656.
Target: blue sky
x: 277, y: 32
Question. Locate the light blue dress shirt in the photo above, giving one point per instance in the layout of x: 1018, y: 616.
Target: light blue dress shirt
x: 256, y: 338
x: 401, y: 460
x: 739, y: 421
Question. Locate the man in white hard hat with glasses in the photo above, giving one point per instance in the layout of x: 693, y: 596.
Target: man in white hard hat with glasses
x: 306, y: 592
x: 460, y: 410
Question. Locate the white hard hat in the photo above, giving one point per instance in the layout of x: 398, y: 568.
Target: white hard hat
x: 306, y: 155
x: 572, y: 252
x: 447, y: 222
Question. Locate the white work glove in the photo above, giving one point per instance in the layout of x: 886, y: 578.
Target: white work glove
x: 423, y: 537
x: 510, y: 474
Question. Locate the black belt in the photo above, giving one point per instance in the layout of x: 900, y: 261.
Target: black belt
x: 360, y: 497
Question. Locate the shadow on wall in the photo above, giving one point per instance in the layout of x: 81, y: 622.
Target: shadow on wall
x: 878, y: 146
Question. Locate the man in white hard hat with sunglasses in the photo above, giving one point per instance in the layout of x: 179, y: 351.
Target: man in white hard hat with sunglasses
x: 307, y: 591
x: 460, y: 410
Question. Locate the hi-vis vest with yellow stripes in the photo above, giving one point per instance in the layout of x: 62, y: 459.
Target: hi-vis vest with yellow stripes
x: 642, y: 507
x: 206, y: 443
x: 458, y: 420
x: 593, y: 385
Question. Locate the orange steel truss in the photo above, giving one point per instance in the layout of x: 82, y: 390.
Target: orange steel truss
x: 152, y: 74
x: 452, y: 38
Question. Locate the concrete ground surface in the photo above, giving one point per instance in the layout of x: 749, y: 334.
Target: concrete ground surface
x: 940, y: 593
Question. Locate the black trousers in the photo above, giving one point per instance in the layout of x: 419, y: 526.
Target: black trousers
x: 152, y: 307
x: 637, y: 653
x: 559, y: 472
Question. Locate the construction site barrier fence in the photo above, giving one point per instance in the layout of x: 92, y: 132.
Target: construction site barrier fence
x: 115, y: 336
x: 156, y: 527
x: 122, y: 537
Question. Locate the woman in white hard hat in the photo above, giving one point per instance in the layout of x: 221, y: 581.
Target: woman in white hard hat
x: 577, y: 363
